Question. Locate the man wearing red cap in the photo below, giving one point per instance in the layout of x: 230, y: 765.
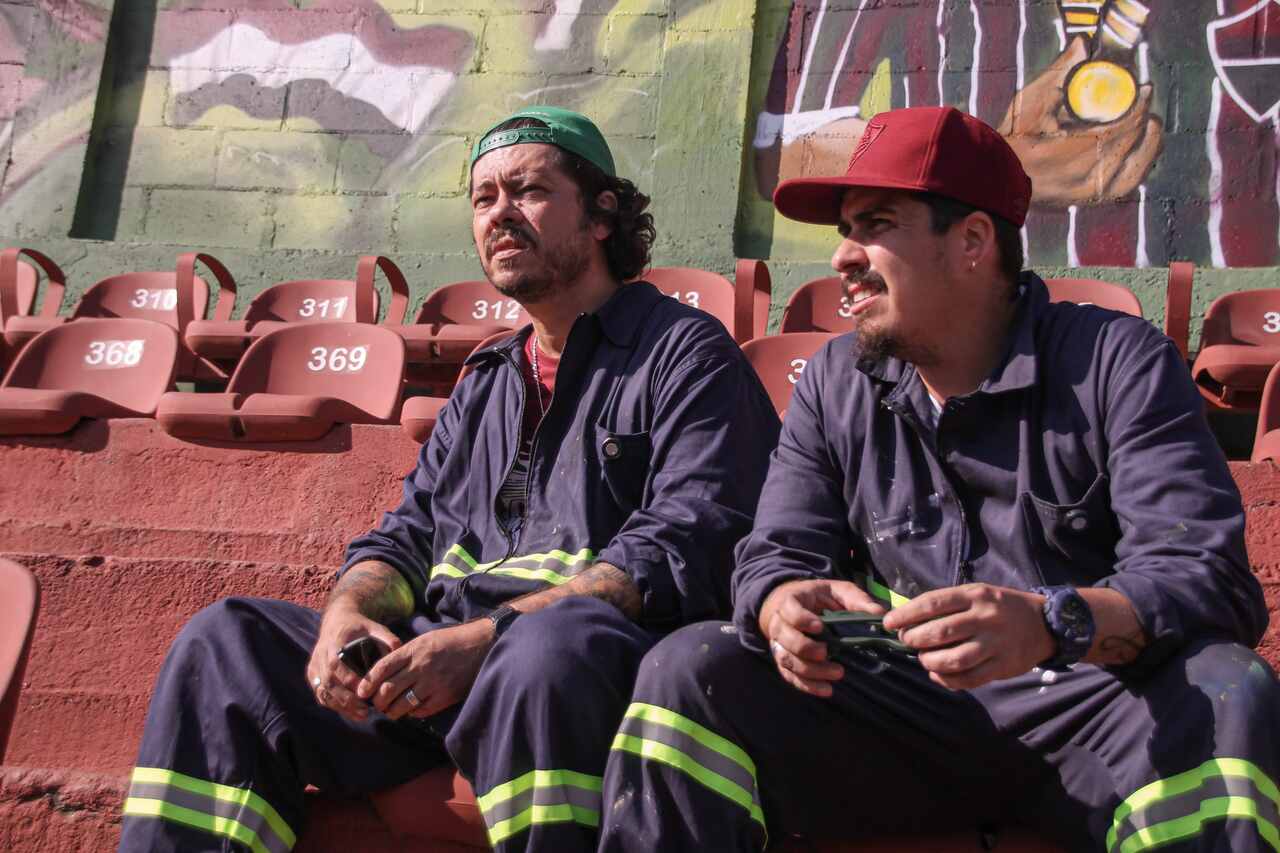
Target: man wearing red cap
x: 1029, y: 493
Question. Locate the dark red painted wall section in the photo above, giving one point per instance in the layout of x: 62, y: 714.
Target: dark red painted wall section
x: 131, y: 532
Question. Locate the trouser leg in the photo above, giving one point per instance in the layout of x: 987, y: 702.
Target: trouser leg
x: 1184, y: 759
x: 716, y: 747
x: 534, y: 733
x: 234, y: 734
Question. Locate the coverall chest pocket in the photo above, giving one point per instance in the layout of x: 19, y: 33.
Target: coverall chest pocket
x: 1073, y: 543
x: 624, y: 461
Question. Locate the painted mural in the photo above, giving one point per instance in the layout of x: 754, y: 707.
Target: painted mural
x: 1149, y: 128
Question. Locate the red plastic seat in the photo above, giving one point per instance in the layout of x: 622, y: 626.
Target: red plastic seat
x: 741, y: 305
x: 818, y: 306
x: 418, y: 416
x: 780, y: 359
x: 1092, y: 291
x: 18, y: 281
x: 1266, y: 441
x: 295, y: 383
x: 92, y: 368
x: 1177, y: 304
x: 1239, y: 344
x: 303, y: 301
x: 19, y: 604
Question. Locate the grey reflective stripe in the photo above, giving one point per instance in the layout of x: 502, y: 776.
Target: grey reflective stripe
x: 708, y: 758
x: 1172, y: 808
x: 246, y: 817
x: 542, y: 796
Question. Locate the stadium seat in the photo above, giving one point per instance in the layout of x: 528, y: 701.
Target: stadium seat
x: 1177, y: 304
x: 18, y: 280
x: 1266, y: 441
x: 1239, y: 344
x: 92, y: 368
x: 418, y: 416
x: 818, y: 306
x: 449, y: 326
x: 1092, y: 291
x: 437, y: 806
x: 741, y: 305
x: 19, y: 604
x: 303, y: 301
x: 295, y: 383
x: 780, y: 359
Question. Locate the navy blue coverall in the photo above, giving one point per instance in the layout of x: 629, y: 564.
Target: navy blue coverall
x: 1084, y: 459
x: 651, y: 457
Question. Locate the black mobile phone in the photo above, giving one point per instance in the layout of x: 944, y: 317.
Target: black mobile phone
x: 844, y: 630
x: 361, y: 654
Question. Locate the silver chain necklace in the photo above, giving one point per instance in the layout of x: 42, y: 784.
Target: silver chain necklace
x: 537, y: 377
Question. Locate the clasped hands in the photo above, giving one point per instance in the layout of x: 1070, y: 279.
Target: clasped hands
x: 966, y: 635
x: 435, y: 669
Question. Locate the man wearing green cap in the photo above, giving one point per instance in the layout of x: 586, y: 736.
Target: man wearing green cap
x: 579, y: 499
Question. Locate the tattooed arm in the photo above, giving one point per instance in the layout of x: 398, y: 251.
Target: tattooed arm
x: 604, y: 581
x: 1118, y: 637
x: 376, y: 591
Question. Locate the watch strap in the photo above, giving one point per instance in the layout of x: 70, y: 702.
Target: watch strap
x: 502, y: 617
x: 1070, y: 622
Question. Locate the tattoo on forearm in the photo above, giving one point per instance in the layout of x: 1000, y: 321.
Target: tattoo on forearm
x: 604, y: 581
x: 379, y: 591
x: 1122, y: 648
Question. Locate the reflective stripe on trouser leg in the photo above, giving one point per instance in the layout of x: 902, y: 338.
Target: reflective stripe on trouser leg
x: 657, y: 734
x: 1177, y: 808
x: 539, y: 797
x: 235, y: 813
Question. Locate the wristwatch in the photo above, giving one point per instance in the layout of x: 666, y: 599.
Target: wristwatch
x: 502, y: 617
x: 1070, y: 623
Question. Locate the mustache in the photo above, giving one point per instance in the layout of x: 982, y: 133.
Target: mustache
x: 868, y: 276
x: 522, y: 238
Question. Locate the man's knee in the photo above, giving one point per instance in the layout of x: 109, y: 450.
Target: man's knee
x: 702, y: 660
x: 1239, y: 685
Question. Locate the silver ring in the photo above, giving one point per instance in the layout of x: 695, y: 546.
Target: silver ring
x: 776, y: 648
x: 411, y: 698
x: 315, y: 682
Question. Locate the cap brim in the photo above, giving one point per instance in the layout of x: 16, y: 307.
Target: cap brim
x: 818, y: 200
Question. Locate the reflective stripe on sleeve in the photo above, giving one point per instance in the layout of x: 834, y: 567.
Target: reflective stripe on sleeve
x: 235, y: 813
x: 657, y: 734
x: 1177, y: 808
x: 554, y: 567
x: 541, y: 796
x: 882, y: 592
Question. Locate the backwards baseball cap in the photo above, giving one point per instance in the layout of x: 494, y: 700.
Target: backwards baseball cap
x: 564, y: 128
x: 937, y: 150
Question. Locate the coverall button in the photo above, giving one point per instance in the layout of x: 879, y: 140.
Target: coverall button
x: 1077, y: 520
x: 611, y: 448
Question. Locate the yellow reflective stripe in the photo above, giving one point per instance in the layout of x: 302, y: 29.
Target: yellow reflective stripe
x: 227, y: 793
x: 223, y: 826
x: 697, y: 731
x: 882, y: 592
x: 1217, y: 808
x: 509, y: 568
x: 543, y: 814
x: 654, y: 751
x: 1190, y: 780
x: 538, y: 779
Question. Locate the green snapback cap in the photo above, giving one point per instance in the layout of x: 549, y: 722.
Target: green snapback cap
x: 564, y: 128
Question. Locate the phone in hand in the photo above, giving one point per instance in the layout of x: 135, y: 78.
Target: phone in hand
x: 361, y: 654
x: 845, y: 630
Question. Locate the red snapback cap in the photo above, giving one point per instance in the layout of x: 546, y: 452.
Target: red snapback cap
x: 927, y: 149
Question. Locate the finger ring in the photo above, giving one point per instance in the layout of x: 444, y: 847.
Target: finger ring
x: 411, y: 698
x: 776, y: 647
x: 315, y: 682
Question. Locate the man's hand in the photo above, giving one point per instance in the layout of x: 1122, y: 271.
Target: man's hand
x: 792, y: 613
x: 970, y: 635
x: 333, y: 684
x: 1073, y: 162
x: 439, y: 666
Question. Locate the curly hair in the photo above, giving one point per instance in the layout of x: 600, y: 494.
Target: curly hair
x: 631, y: 232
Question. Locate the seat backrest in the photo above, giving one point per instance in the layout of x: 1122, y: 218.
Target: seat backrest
x: 334, y: 300
x: 708, y: 291
x: 1177, y: 304
x: 360, y: 363
x: 18, y: 281
x: 471, y: 303
x: 142, y: 295
x: 127, y: 361
x: 819, y: 306
x: 1092, y: 291
x: 780, y: 359
x: 1250, y: 317
x: 19, y: 604
x: 1269, y: 412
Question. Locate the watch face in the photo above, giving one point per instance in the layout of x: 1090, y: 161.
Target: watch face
x: 1074, y: 614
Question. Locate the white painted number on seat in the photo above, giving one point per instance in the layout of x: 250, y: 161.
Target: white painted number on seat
x: 501, y: 309
x: 688, y: 297
x: 1272, y: 324
x: 155, y: 300
x: 797, y: 367
x: 338, y: 359
x: 846, y: 308
x: 325, y: 309
x: 106, y: 355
